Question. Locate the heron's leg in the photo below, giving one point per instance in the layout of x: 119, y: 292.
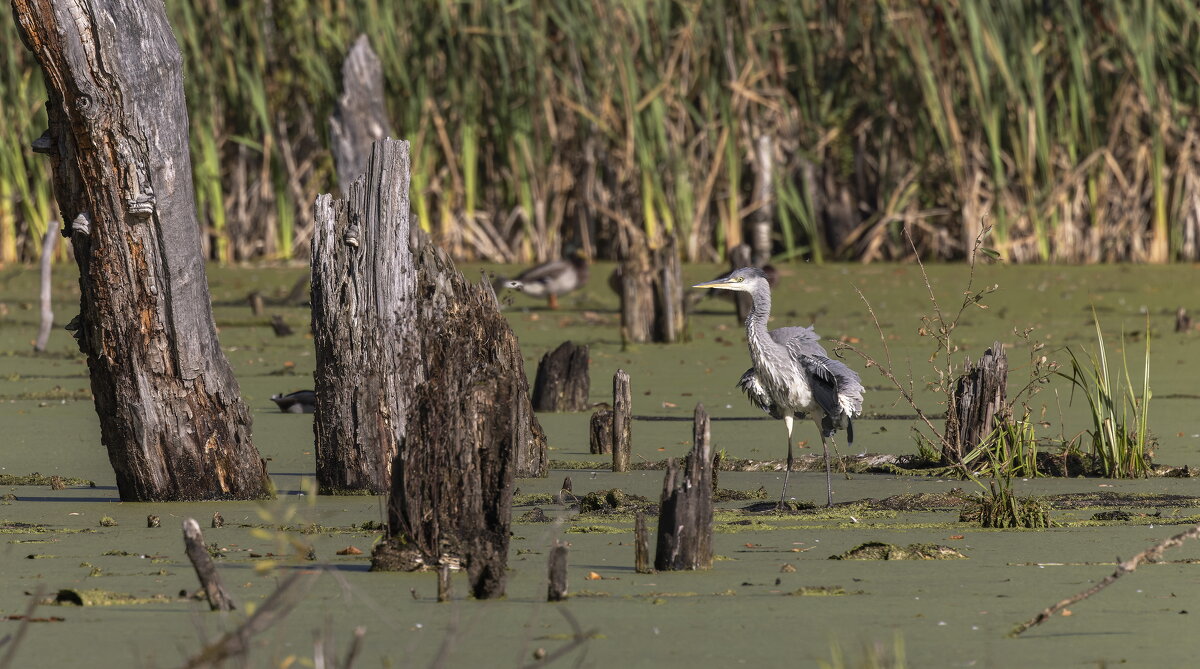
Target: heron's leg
x: 553, y: 300
x: 787, y: 421
x: 828, y: 472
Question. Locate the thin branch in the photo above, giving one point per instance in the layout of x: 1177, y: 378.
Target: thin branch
x: 1151, y: 554
x: 14, y: 640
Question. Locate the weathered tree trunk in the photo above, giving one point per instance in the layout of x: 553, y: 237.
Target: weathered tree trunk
x: 601, y: 429
x: 360, y: 117
x: 171, y: 415
x: 651, y: 289
x: 49, y: 241
x: 562, y: 382
x: 764, y: 196
x: 741, y: 256
x: 621, y: 421
x: 979, y: 398
x: 686, y: 512
x: 363, y: 306
x: 470, y: 429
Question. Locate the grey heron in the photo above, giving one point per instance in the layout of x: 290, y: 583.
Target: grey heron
x: 551, y: 279
x: 792, y: 372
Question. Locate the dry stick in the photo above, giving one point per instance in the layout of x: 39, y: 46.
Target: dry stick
x: 444, y: 582
x: 557, y: 591
x: 272, y: 610
x: 1149, y: 555
x: 48, y: 243
x: 577, y: 639
x: 14, y: 641
x: 193, y: 540
x: 622, y: 407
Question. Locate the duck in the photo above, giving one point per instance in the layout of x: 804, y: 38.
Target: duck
x: 551, y: 279
x: 301, y: 401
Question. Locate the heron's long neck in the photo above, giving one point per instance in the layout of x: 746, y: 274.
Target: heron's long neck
x: 756, y: 324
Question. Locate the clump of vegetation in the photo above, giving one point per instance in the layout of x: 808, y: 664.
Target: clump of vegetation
x: 878, y: 550
x: 999, y: 507
x: 1120, y: 412
x: 107, y: 521
x: 874, y: 656
x: 613, y: 501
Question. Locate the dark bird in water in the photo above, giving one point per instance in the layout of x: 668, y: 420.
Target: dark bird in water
x: 301, y: 401
x: 551, y: 279
x: 792, y: 374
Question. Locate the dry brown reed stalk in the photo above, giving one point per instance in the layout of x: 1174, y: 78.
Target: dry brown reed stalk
x: 1151, y: 554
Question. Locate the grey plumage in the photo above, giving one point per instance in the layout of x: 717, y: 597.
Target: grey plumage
x: 793, y: 375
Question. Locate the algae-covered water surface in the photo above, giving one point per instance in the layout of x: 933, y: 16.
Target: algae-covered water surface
x: 117, y: 593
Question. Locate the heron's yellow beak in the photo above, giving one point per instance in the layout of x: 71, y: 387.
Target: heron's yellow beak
x: 719, y: 283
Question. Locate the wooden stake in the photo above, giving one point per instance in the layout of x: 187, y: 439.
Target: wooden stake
x: 218, y: 520
x: 153, y: 521
x: 444, y: 593
x: 210, y: 580
x: 558, y: 573
x: 641, y: 545
x: 622, y: 408
x: 979, y: 396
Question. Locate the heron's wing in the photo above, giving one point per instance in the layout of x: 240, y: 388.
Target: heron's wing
x: 757, y: 394
x: 799, y: 340
x: 836, y: 388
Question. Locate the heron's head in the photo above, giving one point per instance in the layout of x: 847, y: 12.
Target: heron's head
x: 746, y: 280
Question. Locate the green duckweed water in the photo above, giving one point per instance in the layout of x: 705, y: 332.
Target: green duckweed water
x: 948, y: 613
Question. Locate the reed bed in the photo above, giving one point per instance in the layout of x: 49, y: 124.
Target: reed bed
x: 1069, y: 127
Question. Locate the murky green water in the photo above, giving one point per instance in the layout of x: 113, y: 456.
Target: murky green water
x: 946, y: 613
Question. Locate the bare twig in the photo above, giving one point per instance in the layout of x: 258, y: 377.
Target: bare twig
x: 274, y: 609
x: 577, y: 639
x: 206, y: 571
x: 14, y: 640
x: 1151, y: 554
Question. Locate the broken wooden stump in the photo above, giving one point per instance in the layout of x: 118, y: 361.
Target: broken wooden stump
x: 979, y: 399
x: 621, y: 419
x: 641, y: 544
x: 557, y: 590
x: 255, y: 300
x: 280, y: 326
x: 650, y: 288
x: 1183, y: 322
x: 210, y: 580
x: 217, y: 519
x: 686, y: 512
x: 153, y: 521
x: 601, y: 431
x: 562, y: 379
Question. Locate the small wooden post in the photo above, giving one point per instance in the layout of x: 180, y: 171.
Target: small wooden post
x: 979, y: 397
x: 562, y: 379
x: 153, y: 521
x: 685, y: 514
x: 48, y: 244
x: 622, y: 408
x: 601, y: 441
x: 210, y: 580
x: 1183, y: 322
x: 218, y: 520
x: 255, y: 300
x: 443, y: 574
x: 641, y: 545
x: 557, y: 591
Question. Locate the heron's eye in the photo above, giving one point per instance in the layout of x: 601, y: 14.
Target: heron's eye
x: 739, y: 279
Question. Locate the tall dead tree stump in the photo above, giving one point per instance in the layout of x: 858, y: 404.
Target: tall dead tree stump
x: 600, y: 430
x: 979, y: 399
x: 377, y: 309
x: 650, y: 287
x: 171, y: 413
x: 562, y: 382
x: 686, y: 512
x: 622, y: 420
x: 360, y: 116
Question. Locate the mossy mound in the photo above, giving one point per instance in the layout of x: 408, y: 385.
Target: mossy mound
x: 877, y: 550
